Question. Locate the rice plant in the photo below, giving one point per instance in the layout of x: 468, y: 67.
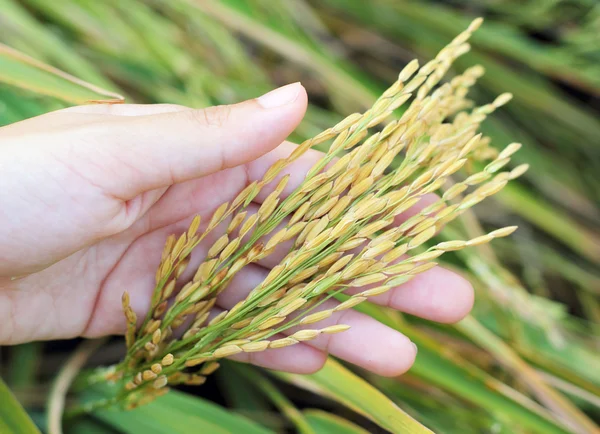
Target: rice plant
x: 523, y: 362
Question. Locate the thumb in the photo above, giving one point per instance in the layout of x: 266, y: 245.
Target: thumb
x: 158, y: 150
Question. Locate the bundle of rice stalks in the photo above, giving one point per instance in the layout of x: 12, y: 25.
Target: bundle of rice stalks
x: 338, y: 227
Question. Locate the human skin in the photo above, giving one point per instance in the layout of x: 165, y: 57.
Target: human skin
x: 89, y: 195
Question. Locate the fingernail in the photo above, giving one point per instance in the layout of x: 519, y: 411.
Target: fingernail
x: 281, y: 96
x: 415, y: 347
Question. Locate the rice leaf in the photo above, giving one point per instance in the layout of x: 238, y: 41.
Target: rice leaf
x: 341, y: 385
x: 178, y: 412
x: 327, y: 423
x: 21, y: 70
x: 13, y: 417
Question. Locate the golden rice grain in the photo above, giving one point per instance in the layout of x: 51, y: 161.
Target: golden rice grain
x: 160, y: 382
x: 338, y: 328
x: 292, y: 306
x: 316, y: 317
x: 226, y: 351
x: 253, y: 347
x: 167, y: 360
x: 281, y: 343
x: 236, y: 221
x: 148, y: 375
x: 305, y: 335
x: 375, y: 291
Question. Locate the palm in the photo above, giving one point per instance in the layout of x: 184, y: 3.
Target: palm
x: 98, y: 275
x: 136, y: 252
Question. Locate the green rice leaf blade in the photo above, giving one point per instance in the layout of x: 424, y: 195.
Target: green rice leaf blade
x: 18, y: 69
x: 13, y: 417
x: 338, y: 383
x: 327, y: 423
x: 181, y: 413
x: 452, y: 373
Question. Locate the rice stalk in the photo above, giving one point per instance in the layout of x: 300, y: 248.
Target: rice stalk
x: 339, y: 221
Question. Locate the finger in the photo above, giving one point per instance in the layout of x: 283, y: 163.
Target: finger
x: 368, y: 343
x: 88, y: 114
x: 438, y: 295
x: 125, y: 109
x: 297, y: 359
x: 149, y: 152
x: 200, y: 196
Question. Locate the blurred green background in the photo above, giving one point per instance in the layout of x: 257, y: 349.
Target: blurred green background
x: 527, y: 360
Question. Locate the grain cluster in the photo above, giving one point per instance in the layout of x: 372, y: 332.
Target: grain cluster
x: 339, y: 224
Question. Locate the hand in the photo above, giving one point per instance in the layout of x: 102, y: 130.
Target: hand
x: 89, y: 195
